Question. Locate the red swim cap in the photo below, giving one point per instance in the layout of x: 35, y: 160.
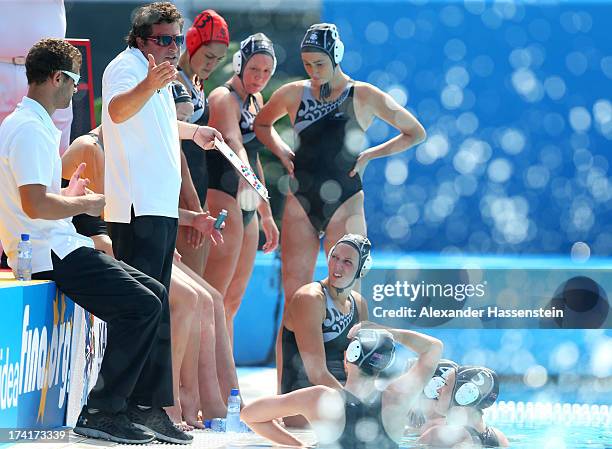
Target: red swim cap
x: 207, y: 27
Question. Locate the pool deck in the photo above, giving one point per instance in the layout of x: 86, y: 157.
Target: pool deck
x: 254, y: 383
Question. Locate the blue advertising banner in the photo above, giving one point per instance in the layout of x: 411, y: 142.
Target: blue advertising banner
x: 34, y: 355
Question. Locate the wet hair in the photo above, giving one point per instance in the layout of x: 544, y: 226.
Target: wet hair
x: 146, y: 16
x: 50, y: 55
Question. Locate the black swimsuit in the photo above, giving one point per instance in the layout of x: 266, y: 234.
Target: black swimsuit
x: 196, y: 157
x: 330, y: 140
x: 222, y: 175
x: 356, y: 415
x: 86, y: 224
x: 335, y: 328
x: 488, y: 438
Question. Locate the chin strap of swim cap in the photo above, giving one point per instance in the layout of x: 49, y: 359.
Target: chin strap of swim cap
x: 363, y: 247
x: 439, y: 378
x: 324, y: 92
x: 475, y: 386
x: 372, y: 350
x: 324, y: 37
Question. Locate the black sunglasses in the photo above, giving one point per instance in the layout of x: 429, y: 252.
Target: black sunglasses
x: 164, y: 40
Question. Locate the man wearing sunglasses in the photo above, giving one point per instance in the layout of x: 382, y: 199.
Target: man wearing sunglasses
x: 143, y: 172
x: 22, y: 24
x: 33, y: 202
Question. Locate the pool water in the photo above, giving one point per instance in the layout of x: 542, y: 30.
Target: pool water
x: 548, y: 425
x: 546, y: 436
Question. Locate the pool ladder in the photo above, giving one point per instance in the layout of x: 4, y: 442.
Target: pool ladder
x: 589, y: 415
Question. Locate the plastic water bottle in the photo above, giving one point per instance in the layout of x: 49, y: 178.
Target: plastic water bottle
x: 218, y: 425
x: 215, y: 424
x: 232, y: 423
x: 24, y: 259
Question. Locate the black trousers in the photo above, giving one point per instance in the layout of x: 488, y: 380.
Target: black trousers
x: 146, y: 243
x: 137, y: 363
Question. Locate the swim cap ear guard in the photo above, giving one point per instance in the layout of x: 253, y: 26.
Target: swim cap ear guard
x: 363, y: 246
x: 255, y: 43
x: 445, y: 367
x: 372, y: 350
x: 475, y: 386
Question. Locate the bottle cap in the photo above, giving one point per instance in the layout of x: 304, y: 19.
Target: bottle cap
x: 235, y: 392
x: 25, y: 237
x: 207, y: 423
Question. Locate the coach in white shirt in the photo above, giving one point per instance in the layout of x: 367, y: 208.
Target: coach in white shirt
x: 32, y: 202
x: 143, y: 170
x: 142, y: 149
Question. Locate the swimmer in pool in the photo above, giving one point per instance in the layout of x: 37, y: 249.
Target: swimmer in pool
x: 358, y: 416
x: 426, y: 413
x: 465, y: 393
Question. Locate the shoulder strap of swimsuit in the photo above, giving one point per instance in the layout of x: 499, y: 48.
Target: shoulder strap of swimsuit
x: 247, y: 101
x: 350, y: 397
x: 351, y: 86
x: 307, y: 91
x: 329, y: 303
x: 353, y: 302
x: 193, y: 91
x: 188, y: 82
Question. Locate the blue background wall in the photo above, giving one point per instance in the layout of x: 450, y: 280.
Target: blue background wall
x: 516, y: 102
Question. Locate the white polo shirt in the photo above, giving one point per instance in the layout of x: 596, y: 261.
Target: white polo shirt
x: 29, y: 155
x: 142, y: 154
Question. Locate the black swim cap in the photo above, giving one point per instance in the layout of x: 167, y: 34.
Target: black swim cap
x: 372, y: 350
x: 363, y: 246
x: 252, y: 45
x: 324, y: 37
x: 475, y: 386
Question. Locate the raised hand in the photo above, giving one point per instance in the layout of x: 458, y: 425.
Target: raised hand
x: 158, y: 76
x: 77, y: 185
